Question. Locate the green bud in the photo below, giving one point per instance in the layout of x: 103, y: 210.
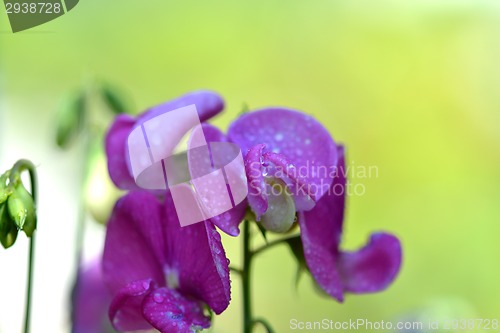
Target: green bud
x: 22, y: 209
x: 8, y: 229
x: 114, y: 99
x: 70, y: 120
x: 4, y: 191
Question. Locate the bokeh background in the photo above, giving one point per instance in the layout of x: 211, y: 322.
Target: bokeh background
x: 411, y: 87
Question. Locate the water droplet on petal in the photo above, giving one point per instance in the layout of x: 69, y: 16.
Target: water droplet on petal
x: 158, y: 298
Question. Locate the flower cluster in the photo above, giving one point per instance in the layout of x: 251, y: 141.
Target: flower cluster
x: 171, y: 278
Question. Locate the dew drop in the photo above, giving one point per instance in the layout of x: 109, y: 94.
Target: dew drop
x: 158, y: 298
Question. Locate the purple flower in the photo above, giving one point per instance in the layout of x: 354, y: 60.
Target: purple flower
x: 91, y: 300
x: 162, y: 275
x: 208, y: 104
x: 294, y: 151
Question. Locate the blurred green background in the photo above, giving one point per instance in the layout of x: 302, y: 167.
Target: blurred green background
x: 411, y: 87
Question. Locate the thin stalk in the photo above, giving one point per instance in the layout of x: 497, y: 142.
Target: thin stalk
x: 271, y: 245
x: 20, y: 166
x: 245, y: 277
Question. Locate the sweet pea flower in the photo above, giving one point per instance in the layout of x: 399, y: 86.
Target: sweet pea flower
x: 208, y: 104
x: 292, y: 149
x: 162, y: 275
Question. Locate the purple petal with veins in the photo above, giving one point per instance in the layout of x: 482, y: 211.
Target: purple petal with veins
x: 298, y: 137
x: 147, y: 249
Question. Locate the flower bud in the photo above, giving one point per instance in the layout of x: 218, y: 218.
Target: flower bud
x: 4, y: 191
x: 70, y: 122
x: 8, y: 229
x: 114, y: 99
x: 22, y: 209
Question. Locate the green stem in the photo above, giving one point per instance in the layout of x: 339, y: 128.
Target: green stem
x: 264, y: 323
x: 19, y: 167
x: 271, y: 245
x: 245, y: 277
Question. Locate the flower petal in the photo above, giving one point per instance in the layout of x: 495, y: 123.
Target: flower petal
x: 254, y: 169
x: 115, y: 143
x: 208, y: 104
x: 372, y: 268
x: 219, y: 154
x: 91, y: 300
x: 297, y: 136
x: 125, y: 311
x: 229, y: 221
x: 169, y: 312
x: 134, y: 246
x: 196, y: 255
x: 321, y: 230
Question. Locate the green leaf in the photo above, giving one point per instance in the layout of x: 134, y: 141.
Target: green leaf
x: 295, y: 244
x: 114, y: 99
x: 70, y: 120
x: 263, y: 231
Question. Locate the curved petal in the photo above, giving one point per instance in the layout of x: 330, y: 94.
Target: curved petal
x: 91, y: 300
x: 257, y: 198
x: 134, y: 245
x: 297, y: 136
x: 320, y: 258
x: 170, y: 312
x: 229, y: 221
x: 372, y: 268
x: 125, y: 311
x: 197, y: 260
x: 115, y: 144
x: 321, y: 230
x: 220, y: 155
x: 208, y: 104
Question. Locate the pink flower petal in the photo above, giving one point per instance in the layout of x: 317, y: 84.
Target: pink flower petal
x: 125, y: 311
x: 196, y: 256
x: 134, y: 246
x: 170, y: 312
x: 321, y: 229
x: 254, y: 169
x: 115, y: 142
x: 208, y: 104
x: 372, y: 268
x: 297, y: 136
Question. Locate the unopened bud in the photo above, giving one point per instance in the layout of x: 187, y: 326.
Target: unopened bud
x: 22, y: 209
x: 8, y: 229
x: 4, y: 190
x: 70, y: 120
